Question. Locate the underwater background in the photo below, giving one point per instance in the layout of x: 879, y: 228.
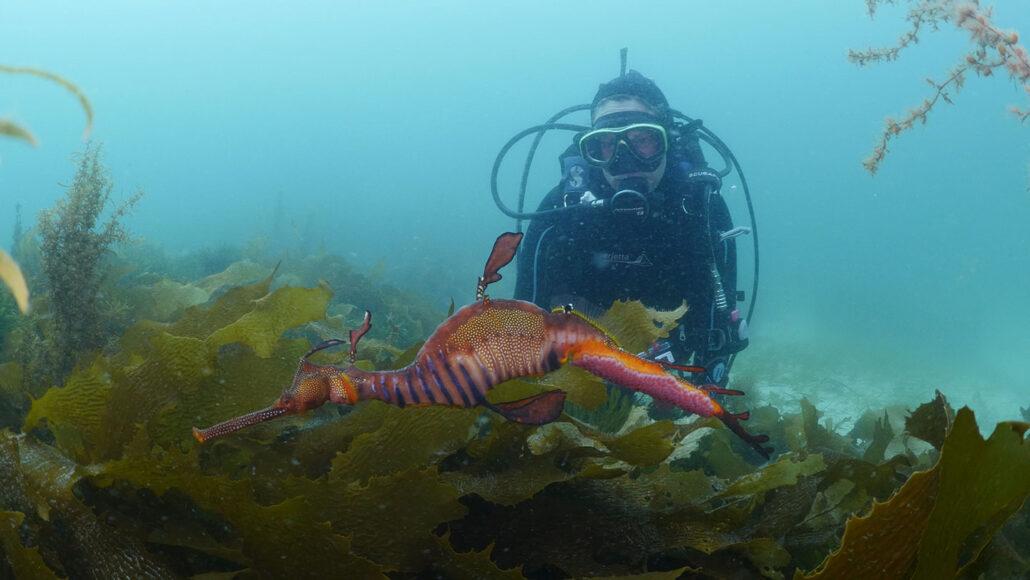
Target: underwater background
x: 276, y: 132
x: 372, y: 128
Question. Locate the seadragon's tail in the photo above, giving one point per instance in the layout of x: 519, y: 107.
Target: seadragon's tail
x: 622, y: 368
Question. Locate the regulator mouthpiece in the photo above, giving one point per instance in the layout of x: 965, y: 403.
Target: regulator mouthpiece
x: 631, y: 198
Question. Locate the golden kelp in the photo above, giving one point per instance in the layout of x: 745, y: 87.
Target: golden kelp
x: 168, y: 375
x: 374, y: 489
x: 39, y: 484
x: 939, y: 522
x: 24, y: 562
x: 12, y: 277
x: 635, y: 326
x: 277, y: 539
x: 13, y: 130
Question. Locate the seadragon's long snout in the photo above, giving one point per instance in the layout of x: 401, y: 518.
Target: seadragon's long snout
x: 312, y: 386
x: 233, y: 425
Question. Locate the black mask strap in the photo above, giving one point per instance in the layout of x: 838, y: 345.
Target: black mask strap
x: 624, y: 118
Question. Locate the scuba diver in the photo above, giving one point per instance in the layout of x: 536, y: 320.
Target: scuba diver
x: 660, y: 232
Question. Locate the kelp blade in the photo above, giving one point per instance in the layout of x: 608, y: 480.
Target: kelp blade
x: 11, y: 274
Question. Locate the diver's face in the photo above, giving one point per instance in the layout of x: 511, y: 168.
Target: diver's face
x: 616, y: 105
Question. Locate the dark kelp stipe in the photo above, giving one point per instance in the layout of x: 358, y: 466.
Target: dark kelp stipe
x: 104, y: 476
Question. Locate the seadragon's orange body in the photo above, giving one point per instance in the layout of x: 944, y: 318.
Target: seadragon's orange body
x: 479, y: 347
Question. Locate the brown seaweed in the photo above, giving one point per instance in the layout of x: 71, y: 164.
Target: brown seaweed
x: 452, y: 492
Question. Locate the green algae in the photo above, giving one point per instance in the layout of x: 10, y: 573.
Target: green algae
x: 981, y: 484
x: 507, y: 466
x: 39, y: 483
x: 390, y: 518
x: 74, y: 239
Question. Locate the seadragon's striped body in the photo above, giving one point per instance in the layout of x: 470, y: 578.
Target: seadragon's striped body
x: 482, y: 345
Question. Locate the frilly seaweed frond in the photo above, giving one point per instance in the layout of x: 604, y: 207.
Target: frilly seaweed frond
x: 69, y: 537
x: 938, y: 523
x: 471, y: 565
x: 272, y: 315
x: 169, y: 377
x: 275, y: 540
x: 389, y: 517
x: 24, y: 562
x: 636, y: 326
x: 76, y: 415
x: 394, y: 440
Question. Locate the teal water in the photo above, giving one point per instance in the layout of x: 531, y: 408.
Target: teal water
x: 369, y: 129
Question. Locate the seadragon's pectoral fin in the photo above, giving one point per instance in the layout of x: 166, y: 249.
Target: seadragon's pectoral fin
x: 536, y: 410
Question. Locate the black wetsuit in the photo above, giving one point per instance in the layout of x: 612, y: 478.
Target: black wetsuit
x: 661, y: 260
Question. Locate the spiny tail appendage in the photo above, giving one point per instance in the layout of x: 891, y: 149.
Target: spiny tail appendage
x: 650, y: 378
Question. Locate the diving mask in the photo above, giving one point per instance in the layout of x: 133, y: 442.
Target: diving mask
x: 646, y: 142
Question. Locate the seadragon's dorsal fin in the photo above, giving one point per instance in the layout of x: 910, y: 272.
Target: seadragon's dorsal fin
x: 502, y: 253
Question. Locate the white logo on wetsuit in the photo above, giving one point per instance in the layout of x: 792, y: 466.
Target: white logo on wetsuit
x: 613, y: 258
x: 576, y: 173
